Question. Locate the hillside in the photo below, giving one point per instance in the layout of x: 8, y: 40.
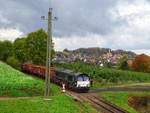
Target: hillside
x: 96, y: 52
x: 16, y: 83
x: 94, y: 55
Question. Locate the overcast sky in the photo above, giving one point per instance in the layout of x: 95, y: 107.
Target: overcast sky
x: 115, y: 24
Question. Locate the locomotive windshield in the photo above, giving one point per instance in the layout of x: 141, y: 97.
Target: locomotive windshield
x: 79, y: 78
x: 82, y: 78
x: 85, y: 78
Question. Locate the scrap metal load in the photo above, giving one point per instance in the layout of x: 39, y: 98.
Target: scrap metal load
x: 75, y: 81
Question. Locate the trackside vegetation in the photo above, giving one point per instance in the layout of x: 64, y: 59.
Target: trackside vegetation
x: 106, y: 75
x: 121, y: 99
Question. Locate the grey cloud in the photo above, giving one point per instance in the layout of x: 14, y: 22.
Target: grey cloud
x: 82, y: 17
x: 24, y: 14
x: 75, y: 18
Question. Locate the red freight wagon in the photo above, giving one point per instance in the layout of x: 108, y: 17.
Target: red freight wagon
x: 37, y: 70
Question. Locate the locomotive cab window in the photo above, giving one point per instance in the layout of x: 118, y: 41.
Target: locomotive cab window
x: 85, y: 78
x: 79, y: 78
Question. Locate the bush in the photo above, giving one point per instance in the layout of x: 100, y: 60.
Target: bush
x: 141, y: 63
x: 13, y: 62
x: 6, y: 48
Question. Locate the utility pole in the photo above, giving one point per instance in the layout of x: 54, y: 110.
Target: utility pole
x: 48, y: 56
x: 48, y: 53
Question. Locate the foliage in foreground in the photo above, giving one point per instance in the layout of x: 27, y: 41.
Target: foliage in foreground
x: 105, y: 74
x: 121, y: 98
x: 15, y: 83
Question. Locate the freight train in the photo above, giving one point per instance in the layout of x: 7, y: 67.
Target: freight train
x: 79, y: 82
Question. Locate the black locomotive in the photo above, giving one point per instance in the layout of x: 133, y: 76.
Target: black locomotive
x: 75, y: 81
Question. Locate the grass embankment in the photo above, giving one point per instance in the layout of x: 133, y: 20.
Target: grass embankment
x: 121, y: 98
x: 15, y: 84
x: 106, y: 77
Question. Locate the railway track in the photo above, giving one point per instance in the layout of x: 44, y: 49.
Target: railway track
x: 101, y: 105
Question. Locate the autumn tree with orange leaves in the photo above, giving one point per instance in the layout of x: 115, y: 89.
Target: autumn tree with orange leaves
x: 141, y: 63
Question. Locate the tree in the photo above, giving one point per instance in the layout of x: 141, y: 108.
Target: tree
x: 27, y: 49
x: 36, y: 47
x: 141, y: 63
x: 123, y: 63
x: 20, y: 49
x: 6, y: 50
x: 13, y: 62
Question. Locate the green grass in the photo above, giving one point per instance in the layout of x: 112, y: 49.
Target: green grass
x: 121, y: 98
x: 16, y: 83
x: 57, y: 104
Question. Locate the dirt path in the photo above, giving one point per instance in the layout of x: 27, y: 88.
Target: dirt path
x: 11, y: 98
x: 130, y: 89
